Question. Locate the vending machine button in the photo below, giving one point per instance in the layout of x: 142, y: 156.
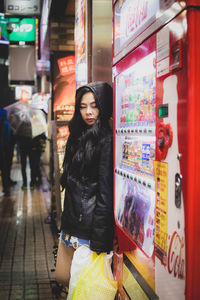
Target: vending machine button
x: 144, y: 183
x: 149, y: 185
x: 139, y: 180
x: 179, y: 155
x: 131, y: 177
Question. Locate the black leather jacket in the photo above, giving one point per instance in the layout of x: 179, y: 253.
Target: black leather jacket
x: 88, y: 205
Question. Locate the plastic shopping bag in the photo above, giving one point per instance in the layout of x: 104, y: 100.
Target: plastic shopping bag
x: 94, y: 281
x: 82, y: 257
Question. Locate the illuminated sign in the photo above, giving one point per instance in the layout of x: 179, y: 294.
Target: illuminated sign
x: 22, y: 91
x: 134, y: 14
x: 64, y: 89
x: 22, y: 30
x: 66, y: 65
x: 131, y: 18
x: 22, y: 7
x: 3, y: 32
x: 40, y: 101
x: 81, y: 42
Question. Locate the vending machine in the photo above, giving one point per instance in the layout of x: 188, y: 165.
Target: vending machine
x: 156, y: 71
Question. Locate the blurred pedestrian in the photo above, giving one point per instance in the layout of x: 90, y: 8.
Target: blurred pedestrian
x: 25, y: 150
x: 4, y: 146
x: 38, y: 147
x: 11, y: 147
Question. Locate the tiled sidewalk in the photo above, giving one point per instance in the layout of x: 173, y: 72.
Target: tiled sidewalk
x: 26, y: 243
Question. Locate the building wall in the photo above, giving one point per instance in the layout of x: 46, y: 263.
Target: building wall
x: 102, y: 40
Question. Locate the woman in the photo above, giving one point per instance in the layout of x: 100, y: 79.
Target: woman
x: 87, y: 218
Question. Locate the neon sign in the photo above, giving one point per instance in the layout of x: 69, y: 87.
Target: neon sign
x: 22, y: 30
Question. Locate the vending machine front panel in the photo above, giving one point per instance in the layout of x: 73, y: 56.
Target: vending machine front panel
x: 150, y: 151
x: 135, y: 20
x: 135, y: 116
x: 167, y: 265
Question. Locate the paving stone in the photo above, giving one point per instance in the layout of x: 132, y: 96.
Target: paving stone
x: 26, y: 248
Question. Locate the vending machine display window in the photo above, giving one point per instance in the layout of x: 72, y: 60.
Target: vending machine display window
x: 135, y: 212
x: 135, y: 94
x: 135, y: 116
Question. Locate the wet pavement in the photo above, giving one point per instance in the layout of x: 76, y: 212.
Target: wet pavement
x: 27, y: 243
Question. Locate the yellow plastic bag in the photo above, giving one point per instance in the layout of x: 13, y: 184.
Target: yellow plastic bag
x: 94, y: 283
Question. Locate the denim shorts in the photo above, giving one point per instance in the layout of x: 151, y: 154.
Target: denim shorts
x: 72, y: 241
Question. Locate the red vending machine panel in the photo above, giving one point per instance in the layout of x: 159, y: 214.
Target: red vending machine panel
x: 134, y: 21
x: 135, y: 92
x: 154, y: 78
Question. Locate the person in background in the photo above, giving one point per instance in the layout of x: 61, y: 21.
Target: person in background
x: 88, y: 217
x: 4, y: 146
x: 38, y: 147
x: 25, y: 151
x: 10, y: 156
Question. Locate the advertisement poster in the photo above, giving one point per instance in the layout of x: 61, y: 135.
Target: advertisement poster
x: 80, y: 43
x: 62, y: 136
x: 22, y: 92
x: 64, y: 87
x: 134, y: 212
x: 61, y: 140
x: 161, y: 215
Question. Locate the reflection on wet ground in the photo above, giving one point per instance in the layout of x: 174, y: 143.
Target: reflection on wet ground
x: 26, y: 242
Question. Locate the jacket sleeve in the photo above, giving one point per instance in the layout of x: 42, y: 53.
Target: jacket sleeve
x: 103, y: 219
x: 64, y: 174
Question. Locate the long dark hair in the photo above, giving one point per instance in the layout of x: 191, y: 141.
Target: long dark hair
x: 81, y: 146
x: 77, y: 126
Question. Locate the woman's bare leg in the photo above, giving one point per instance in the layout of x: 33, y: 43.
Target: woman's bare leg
x: 63, y: 264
